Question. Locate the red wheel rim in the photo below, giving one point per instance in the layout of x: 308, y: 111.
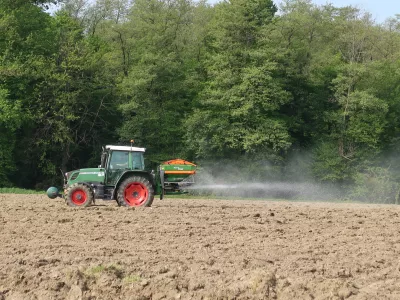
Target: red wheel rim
x: 78, y: 197
x: 135, y: 194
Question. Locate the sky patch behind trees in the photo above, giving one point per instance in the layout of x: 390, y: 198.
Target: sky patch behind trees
x: 380, y: 10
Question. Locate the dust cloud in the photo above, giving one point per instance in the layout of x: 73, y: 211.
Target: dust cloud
x: 261, y: 180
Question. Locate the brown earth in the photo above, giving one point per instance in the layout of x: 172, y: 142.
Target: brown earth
x: 198, y: 249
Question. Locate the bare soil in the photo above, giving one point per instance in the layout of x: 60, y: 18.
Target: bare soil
x: 198, y: 249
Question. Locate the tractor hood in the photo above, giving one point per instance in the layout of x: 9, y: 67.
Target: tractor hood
x: 86, y: 175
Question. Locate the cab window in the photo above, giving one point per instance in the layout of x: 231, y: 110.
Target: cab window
x: 137, y: 160
x: 119, y: 160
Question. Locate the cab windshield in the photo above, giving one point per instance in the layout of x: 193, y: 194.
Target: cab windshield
x: 121, y: 160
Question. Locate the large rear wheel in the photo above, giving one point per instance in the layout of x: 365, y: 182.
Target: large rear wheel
x: 79, y: 195
x: 135, y: 191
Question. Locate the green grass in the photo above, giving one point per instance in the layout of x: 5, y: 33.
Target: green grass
x: 112, y: 268
x: 132, y: 279
x: 96, y: 270
x: 19, y: 191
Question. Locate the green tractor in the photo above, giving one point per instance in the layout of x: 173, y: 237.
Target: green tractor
x: 122, y: 177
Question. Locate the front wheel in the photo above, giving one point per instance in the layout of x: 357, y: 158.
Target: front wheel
x: 135, y: 191
x: 79, y: 195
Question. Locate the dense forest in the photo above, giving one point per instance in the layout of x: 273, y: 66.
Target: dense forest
x: 305, y: 91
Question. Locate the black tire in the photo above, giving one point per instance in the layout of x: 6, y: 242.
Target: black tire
x: 79, y: 195
x: 135, y: 191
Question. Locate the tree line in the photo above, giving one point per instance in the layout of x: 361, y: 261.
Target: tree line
x: 315, y: 86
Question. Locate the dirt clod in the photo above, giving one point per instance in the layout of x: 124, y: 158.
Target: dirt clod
x: 75, y: 293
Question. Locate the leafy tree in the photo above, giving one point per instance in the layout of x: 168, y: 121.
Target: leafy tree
x: 237, y: 112
x: 10, y: 122
x: 75, y: 95
x: 25, y: 39
x: 159, y: 80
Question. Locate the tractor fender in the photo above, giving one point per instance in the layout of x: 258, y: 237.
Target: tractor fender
x: 132, y: 173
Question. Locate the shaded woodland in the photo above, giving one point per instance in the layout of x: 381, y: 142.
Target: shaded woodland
x: 309, y: 92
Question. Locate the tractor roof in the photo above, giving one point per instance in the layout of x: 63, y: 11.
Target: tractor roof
x: 125, y: 148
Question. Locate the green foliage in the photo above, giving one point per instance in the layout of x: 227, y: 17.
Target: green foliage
x: 377, y: 184
x: 53, y: 75
x: 10, y: 121
x: 237, y: 112
x: 201, y: 82
x: 158, y: 88
x: 12, y: 190
x: 330, y: 166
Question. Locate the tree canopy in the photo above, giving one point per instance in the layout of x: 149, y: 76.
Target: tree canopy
x: 231, y: 81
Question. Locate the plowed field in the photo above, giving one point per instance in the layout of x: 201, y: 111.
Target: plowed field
x: 198, y: 249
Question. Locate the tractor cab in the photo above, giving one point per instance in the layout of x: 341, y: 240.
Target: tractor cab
x: 115, y: 160
x: 122, y: 157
